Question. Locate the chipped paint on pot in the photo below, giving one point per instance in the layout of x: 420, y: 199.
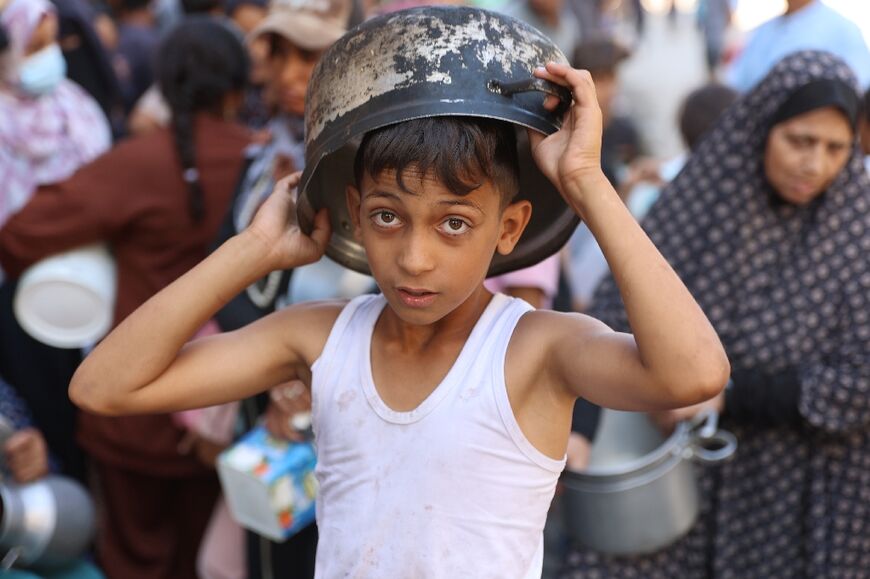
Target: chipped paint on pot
x: 414, y: 51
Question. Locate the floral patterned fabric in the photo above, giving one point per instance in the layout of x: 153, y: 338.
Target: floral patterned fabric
x: 787, y: 288
x: 43, y: 139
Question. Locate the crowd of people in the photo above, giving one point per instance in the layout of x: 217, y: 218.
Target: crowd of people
x: 159, y: 127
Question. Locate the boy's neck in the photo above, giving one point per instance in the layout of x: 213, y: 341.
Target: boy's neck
x: 458, y: 324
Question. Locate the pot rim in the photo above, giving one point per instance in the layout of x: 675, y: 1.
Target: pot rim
x: 350, y: 253
x: 673, y: 445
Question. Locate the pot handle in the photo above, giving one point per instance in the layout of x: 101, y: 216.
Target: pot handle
x: 509, y: 89
x: 710, y: 444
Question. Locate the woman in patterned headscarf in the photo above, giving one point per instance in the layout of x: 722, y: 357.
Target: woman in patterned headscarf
x: 49, y: 126
x: 769, y: 227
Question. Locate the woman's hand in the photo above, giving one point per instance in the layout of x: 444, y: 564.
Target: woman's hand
x: 27, y: 455
x: 288, y: 404
x: 572, y: 154
x: 668, y: 419
x: 276, y: 227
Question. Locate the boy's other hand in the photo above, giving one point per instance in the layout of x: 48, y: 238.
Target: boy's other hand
x: 276, y: 226
x: 573, y: 153
x: 286, y: 402
x: 27, y: 455
x: 205, y: 450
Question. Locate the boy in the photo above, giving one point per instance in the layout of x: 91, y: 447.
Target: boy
x: 441, y: 412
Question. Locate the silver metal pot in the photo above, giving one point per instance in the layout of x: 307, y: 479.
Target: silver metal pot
x: 425, y: 62
x: 639, y: 493
x: 45, y: 524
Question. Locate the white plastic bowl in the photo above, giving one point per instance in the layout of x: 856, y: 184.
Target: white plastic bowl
x: 68, y: 300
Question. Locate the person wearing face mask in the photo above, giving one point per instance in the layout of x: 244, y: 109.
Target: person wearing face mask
x: 157, y: 201
x: 49, y: 127
x: 768, y: 225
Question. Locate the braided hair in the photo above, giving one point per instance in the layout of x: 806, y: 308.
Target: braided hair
x: 199, y: 63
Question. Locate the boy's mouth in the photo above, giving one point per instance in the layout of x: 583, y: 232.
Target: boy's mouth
x: 416, y: 298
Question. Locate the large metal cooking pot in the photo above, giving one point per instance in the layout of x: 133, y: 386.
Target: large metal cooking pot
x: 45, y: 524
x: 423, y: 62
x: 639, y: 493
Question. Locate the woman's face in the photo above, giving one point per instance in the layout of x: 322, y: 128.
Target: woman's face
x: 43, y: 36
x: 805, y: 154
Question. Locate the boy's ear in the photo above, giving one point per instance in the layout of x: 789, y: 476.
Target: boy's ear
x: 514, y: 220
x: 354, y: 199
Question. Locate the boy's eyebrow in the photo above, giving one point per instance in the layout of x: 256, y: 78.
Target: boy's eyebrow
x: 385, y: 194
x: 463, y: 202
x: 450, y: 202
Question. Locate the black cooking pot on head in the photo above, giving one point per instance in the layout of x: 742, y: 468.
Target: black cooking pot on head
x: 425, y: 62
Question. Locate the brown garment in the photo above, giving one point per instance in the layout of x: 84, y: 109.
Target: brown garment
x: 134, y: 198
x: 156, y: 501
x: 156, y: 535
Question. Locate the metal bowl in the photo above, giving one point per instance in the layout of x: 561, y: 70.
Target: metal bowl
x: 424, y: 62
x: 639, y: 493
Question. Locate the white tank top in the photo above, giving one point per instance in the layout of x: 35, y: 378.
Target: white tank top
x: 451, y: 489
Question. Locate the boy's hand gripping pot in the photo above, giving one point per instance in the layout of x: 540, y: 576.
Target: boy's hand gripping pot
x: 425, y: 62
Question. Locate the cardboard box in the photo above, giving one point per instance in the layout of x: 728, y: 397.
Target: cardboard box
x: 269, y: 484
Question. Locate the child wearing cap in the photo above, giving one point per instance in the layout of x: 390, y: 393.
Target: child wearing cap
x: 441, y: 411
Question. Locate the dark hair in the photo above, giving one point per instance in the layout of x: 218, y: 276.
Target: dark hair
x: 599, y: 55
x: 130, y: 5
x: 199, y: 63
x: 866, y: 106
x: 201, y: 6
x: 230, y: 6
x: 460, y: 152
x: 701, y: 109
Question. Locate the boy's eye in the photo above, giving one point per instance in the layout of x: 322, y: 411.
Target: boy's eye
x: 455, y: 226
x: 386, y: 219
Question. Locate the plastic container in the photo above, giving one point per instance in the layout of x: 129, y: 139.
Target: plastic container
x: 68, y: 300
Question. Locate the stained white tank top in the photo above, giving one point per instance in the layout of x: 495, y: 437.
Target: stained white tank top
x: 451, y: 489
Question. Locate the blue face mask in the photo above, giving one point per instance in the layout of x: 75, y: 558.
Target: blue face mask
x: 40, y: 73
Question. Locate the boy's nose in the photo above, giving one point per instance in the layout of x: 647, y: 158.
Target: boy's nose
x: 415, y: 258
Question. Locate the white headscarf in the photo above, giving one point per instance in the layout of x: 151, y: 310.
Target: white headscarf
x: 43, y: 139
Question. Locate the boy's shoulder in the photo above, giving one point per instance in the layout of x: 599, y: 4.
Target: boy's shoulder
x: 539, y: 324
x: 543, y: 333
x: 312, y: 323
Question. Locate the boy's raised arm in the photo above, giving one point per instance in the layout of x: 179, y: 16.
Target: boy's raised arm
x: 145, y: 366
x: 675, y: 357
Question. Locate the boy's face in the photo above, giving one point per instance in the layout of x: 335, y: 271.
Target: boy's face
x: 429, y: 249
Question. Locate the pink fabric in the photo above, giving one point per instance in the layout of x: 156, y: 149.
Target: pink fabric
x: 543, y: 276
x: 215, y: 423
x: 222, y: 552
x: 43, y: 139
